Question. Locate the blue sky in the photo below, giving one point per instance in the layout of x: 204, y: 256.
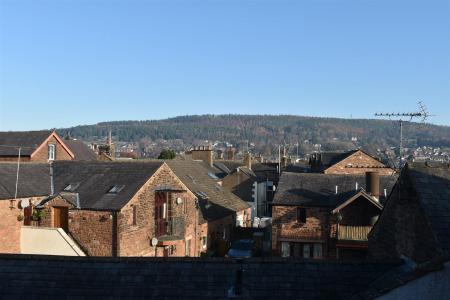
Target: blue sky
x: 66, y: 63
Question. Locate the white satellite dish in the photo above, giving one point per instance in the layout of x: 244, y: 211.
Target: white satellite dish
x: 179, y: 200
x: 25, y: 203
x: 154, y: 242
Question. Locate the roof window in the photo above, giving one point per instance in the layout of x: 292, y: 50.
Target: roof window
x: 116, y: 189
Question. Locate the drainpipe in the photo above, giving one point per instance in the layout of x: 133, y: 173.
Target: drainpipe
x: 52, y: 185
x: 114, y: 234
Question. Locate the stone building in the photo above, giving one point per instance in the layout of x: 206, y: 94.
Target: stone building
x: 415, y: 222
x: 41, y: 146
x: 350, y: 162
x: 220, y: 211
x: 326, y: 216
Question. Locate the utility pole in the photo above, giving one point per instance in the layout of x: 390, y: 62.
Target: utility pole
x: 279, y: 159
x: 17, y: 175
x: 422, y: 113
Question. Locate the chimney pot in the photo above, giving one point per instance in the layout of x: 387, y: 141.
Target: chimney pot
x: 373, y: 184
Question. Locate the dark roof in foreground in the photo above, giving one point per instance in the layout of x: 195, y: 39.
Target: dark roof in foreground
x: 220, y: 202
x: 93, y: 180
x: 432, y: 184
x: 56, y: 277
x: 34, y: 180
x: 29, y: 140
x: 312, y: 189
x: 331, y: 158
x: 80, y: 150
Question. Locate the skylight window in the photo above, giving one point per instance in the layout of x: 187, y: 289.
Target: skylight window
x: 213, y: 176
x: 116, y: 189
x: 201, y: 195
x: 71, y: 187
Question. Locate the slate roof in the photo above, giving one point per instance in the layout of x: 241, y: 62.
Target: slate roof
x: 81, y: 150
x: 28, y: 140
x: 319, y: 190
x: 331, y: 158
x: 220, y: 202
x: 95, y: 179
x: 432, y: 184
x: 27, y: 276
x: 34, y: 180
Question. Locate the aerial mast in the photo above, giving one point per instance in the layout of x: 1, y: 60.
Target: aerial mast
x: 422, y: 113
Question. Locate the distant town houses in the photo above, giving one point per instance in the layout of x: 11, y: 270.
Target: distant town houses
x: 319, y: 222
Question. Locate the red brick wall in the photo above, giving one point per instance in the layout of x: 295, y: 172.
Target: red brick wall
x: 47, y: 220
x: 9, y: 227
x: 134, y: 240
x: 360, y: 164
x: 93, y: 231
x: 42, y: 154
x: 286, y: 228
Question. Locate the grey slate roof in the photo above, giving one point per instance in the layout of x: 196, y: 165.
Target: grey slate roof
x: 37, y: 277
x: 432, y: 184
x: 34, y: 180
x: 319, y: 190
x: 29, y: 140
x: 220, y: 202
x: 80, y: 150
x: 331, y: 158
x: 95, y: 179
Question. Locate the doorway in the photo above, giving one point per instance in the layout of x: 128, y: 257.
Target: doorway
x: 61, y: 218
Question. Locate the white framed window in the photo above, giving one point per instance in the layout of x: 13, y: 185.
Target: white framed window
x: 285, y: 249
x: 51, y: 152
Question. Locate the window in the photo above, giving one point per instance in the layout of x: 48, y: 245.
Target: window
x: 51, y: 152
x: 317, y: 251
x: 205, y: 242
x: 116, y: 189
x: 134, y: 222
x: 71, y: 187
x: 188, y: 247
x: 285, y: 249
x: 301, y: 215
x: 307, y: 251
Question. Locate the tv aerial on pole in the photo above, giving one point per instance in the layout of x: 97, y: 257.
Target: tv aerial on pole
x: 422, y: 114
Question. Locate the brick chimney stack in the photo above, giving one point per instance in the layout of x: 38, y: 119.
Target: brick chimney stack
x: 373, y: 184
x: 248, y: 160
x: 204, y: 153
x: 230, y: 153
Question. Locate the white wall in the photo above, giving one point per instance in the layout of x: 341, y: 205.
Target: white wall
x: 47, y: 241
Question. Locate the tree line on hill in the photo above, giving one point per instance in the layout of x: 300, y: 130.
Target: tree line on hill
x: 264, y: 131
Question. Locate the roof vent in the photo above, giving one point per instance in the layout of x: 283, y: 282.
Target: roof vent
x: 71, y: 187
x: 201, y: 195
x: 356, y: 185
x: 336, y: 189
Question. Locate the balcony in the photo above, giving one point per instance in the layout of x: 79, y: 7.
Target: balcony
x: 353, y: 233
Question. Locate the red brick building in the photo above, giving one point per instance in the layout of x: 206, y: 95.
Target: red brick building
x: 41, y: 146
x: 326, y: 216
x: 351, y: 162
x: 415, y: 222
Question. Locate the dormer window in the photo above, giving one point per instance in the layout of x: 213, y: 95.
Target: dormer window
x: 51, y: 152
x: 116, y: 189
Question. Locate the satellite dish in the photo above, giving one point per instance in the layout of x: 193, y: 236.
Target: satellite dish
x: 154, y: 242
x: 25, y: 203
x: 179, y: 200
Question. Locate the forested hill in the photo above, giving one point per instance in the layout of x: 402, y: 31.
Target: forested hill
x: 269, y: 130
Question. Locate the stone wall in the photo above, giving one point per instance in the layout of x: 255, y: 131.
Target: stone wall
x: 9, y: 227
x: 359, y: 163
x: 286, y: 228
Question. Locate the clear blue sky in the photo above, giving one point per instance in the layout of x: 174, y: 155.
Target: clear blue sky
x: 65, y: 63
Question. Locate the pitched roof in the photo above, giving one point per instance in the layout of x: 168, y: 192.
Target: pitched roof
x: 94, y: 180
x: 28, y: 140
x: 331, y: 158
x: 432, y: 184
x: 312, y: 189
x: 27, y: 276
x: 34, y: 180
x: 219, y: 202
x: 81, y: 150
